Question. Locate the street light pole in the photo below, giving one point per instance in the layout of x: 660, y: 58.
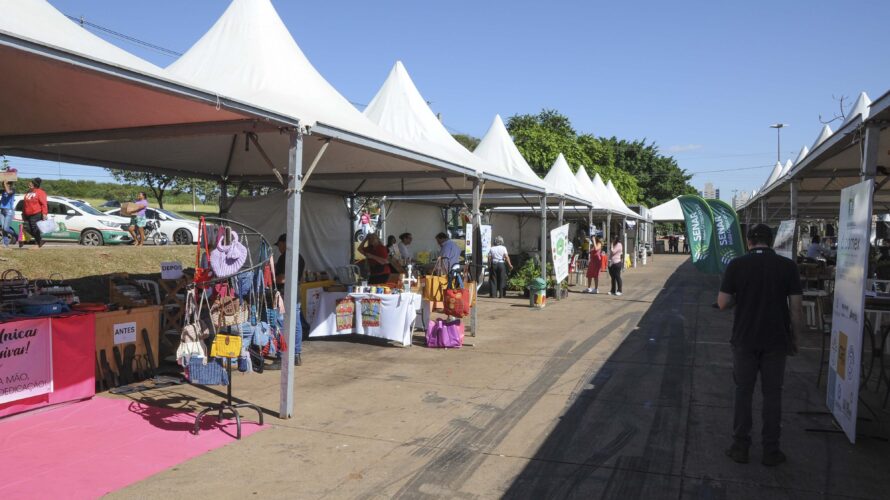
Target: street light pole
x: 778, y: 127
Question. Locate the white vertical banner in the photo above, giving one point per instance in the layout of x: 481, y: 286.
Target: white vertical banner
x: 849, y: 305
x: 485, y: 231
x: 468, y: 241
x: 784, y: 242
x: 559, y: 239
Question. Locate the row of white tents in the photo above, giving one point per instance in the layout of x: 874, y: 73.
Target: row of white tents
x: 244, y: 105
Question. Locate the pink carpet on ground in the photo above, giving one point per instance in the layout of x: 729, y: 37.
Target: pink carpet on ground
x: 88, y: 449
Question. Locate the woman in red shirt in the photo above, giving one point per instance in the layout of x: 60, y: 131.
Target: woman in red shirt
x: 34, y: 209
x: 378, y: 259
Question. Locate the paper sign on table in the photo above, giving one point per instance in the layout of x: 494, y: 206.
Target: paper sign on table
x: 171, y: 270
x: 124, y: 333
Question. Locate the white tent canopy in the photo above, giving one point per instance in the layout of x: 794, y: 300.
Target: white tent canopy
x: 824, y: 134
x: 400, y: 109
x: 586, y: 186
x: 860, y: 108
x: 498, y: 149
x: 560, y: 180
x: 776, y: 172
x: 668, y: 211
x: 804, y: 151
x: 250, y: 80
x: 622, y: 207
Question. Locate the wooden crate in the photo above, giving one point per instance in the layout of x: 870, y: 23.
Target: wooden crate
x: 144, y: 317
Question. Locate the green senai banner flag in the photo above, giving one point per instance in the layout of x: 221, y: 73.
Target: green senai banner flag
x: 700, y: 233
x: 727, y: 233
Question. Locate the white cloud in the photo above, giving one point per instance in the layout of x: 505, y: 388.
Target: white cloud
x: 684, y: 148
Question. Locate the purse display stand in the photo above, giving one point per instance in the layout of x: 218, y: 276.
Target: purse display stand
x: 227, y: 405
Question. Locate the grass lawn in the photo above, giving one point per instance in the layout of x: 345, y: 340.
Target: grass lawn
x: 75, y: 261
x: 182, y: 208
x: 87, y: 268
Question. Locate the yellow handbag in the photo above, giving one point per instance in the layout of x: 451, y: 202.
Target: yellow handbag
x: 434, y: 288
x: 226, y: 346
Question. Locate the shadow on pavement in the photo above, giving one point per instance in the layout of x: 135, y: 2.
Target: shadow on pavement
x: 654, y: 420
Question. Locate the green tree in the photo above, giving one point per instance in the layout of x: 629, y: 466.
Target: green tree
x: 660, y: 177
x: 541, y: 137
x: 157, y: 184
x: 467, y: 141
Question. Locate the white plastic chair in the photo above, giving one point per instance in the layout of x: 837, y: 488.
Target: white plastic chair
x: 153, y: 287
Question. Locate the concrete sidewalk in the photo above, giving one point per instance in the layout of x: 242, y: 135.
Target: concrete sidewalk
x: 594, y: 396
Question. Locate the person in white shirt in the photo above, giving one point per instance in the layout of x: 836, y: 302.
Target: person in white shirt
x: 814, y: 250
x: 448, y: 251
x: 405, y: 240
x: 498, y: 262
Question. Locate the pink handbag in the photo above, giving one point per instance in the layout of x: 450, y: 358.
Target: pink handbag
x: 445, y: 334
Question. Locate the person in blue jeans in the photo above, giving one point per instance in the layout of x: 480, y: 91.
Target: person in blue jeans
x: 7, y: 213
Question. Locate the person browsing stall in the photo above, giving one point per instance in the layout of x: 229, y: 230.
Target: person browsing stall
x: 405, y: 240
x: 594, y: 266
x: 34, y: 210
x: 7, y: 212
x: 616, y: 264
x: 280, y: 274
x: 765, y: 290
x: 498, y: 261
x: 137, y: 221
x: 448, y: 250
x: 378, y: 259
x: 814, y: 250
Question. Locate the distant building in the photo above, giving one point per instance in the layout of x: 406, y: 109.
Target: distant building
x: 709, y: 192
x: 740, y: 199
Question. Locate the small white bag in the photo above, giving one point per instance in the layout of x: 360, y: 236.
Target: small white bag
x: 47, y: 226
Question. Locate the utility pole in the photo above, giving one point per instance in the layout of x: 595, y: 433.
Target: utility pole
x: 778, y: 127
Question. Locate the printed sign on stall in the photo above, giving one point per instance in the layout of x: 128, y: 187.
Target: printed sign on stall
x: 313, y: 300
x: 26, y: 356
x: 559, y: 240
x: 171, y: 270
x: 784, y: 242
x: 848, y: 313
x: 124, y: 333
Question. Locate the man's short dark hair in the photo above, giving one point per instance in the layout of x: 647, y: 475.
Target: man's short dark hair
x: 760, y: 234
x: 282, y: 238
x: 441, y: 236
x: 404, y: 235
x: 37, y: 181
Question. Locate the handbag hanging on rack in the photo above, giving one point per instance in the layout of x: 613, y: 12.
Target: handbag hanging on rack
x: 202, y: 274
x: 225, y: 346
x: 228, y: 310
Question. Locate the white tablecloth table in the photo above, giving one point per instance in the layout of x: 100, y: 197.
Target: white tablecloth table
x: 397, y: 316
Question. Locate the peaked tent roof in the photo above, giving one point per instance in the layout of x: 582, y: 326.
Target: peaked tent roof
x: 804, y: 151
x: 777, y: 171
x: 400, y: 109
x: 786, y: 168
x: 622, y: 207
x: 860, y: 108
x: 669, y: 211
x: 498, y: 149
x: 824, y: 134
x: 586, y: 186
x: 561, y: 181
x: 599, y: 187
x: 250, y: 54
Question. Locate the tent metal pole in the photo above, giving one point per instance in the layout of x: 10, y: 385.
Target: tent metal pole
x: 292, y: 277
x: 223, y: 198
x: 624, y: 245
x: 381, y: 222
x: 478, y: 258
x: 608, y: 233
x: 542, y: 247
x: 763, y: 210
x: 793, y: 196
x: 562, y: 207
x: 869, y: 167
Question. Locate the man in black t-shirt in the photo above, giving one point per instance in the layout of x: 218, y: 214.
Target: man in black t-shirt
x: 765, y: 290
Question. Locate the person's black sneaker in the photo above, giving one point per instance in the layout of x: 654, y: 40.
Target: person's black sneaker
x: 298, y: 361
x: 773, y: 458
x: 275, y: 365
x: 737, y: 453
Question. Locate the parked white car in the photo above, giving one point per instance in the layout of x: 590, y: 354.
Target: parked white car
x: 78, y: 221
x: 176, y: 227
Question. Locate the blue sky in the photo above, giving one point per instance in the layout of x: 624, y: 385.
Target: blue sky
x: 702, y: 79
